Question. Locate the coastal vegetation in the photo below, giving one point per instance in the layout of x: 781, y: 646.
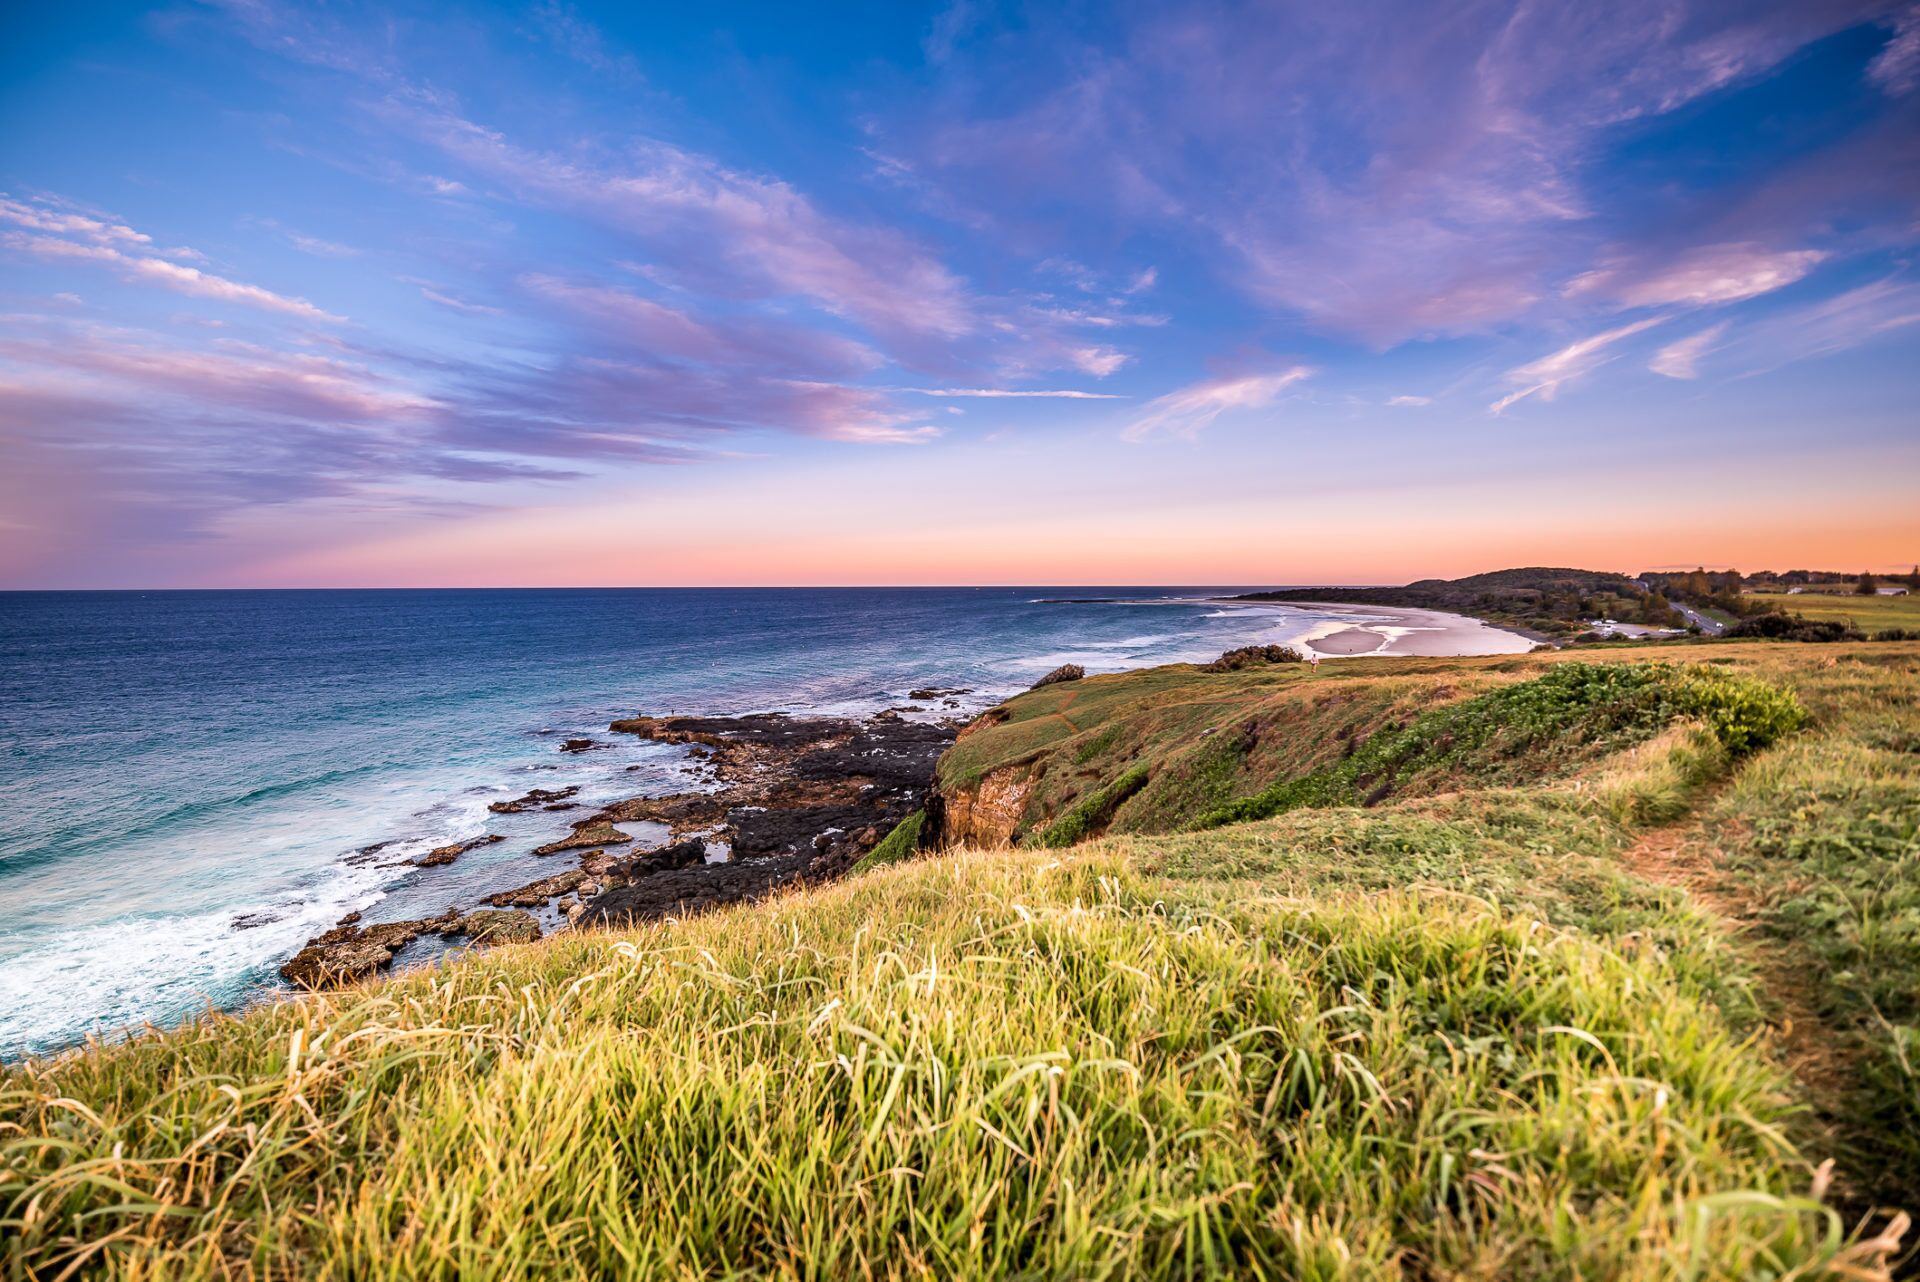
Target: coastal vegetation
x: 1617, y: 979
x: 1547, y: 602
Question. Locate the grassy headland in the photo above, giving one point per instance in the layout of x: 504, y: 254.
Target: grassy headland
x: 1621, y: 956
x: 1541, y: 601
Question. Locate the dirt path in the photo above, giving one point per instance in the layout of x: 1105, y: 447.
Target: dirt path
x: 1684, y: 855
x: 1818, y: 1054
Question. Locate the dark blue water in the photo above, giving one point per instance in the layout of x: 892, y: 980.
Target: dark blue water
x: 193, y: 783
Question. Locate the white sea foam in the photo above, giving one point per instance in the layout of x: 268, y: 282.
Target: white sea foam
x: 106, y: 976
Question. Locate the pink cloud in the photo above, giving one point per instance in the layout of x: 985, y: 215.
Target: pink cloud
x: 39, y: 217
x: 635, y: 323
x: 1700, y: 277
x: 1681, y: 359
x: 1543, y: 378
x: 1003, y: 393
x: 1382, y: 180
x: 761, y: 230
x: 1190, y: 410
x: 243, y: 376
x: 174, y: 276
x: 1896, y: 68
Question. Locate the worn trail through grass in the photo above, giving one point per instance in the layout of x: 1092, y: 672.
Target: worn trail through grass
x: 1817, y: 1052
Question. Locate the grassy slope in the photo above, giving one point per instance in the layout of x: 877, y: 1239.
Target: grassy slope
x: 1451, y: 1036
x: 1210, y: 740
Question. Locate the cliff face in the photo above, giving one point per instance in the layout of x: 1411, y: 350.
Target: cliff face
x: 986, y: 812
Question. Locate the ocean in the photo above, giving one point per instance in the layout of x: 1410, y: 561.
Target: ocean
x: 194, y: 783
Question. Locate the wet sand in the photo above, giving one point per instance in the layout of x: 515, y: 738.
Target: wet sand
x: 1382, y: 630
x: 1349, y: 641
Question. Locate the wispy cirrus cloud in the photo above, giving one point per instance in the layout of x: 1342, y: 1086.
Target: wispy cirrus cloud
x: 1436, y: 201
x: 1003, y: 393
x: 1192, y: 409
x: 1701, y: 277
x: 1896, y: 68
x: 1681, y: 358
x: 632, y: 322
x: 465, y: 306
x: 44, y: 217
x: 751, y: 231
x: 1544, y: 378
x: 58, y: 235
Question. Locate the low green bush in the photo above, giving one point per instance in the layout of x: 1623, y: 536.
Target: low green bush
x: 899, y: 844
x: 1570, y: 715
x: 1091, y: 815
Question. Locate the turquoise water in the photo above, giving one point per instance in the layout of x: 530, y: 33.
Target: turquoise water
x: 193, y: 783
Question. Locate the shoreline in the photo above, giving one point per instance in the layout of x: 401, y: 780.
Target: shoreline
x: 784, y: 798
x: 777, y: 799
x: 1394, y: 631
x: 499, y: 879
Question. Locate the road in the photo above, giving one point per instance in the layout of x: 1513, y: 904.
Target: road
x: 1711, y: 627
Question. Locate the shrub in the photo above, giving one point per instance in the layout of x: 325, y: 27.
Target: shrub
x: 1253, y: 656
x: 1744, y: 714
x: 1065, y: 672
x: 1793, y: 627
x: 899, y: 844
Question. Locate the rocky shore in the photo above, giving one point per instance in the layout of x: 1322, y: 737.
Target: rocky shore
x: 782, y: 799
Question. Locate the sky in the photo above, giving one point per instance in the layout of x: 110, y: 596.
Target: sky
x: 961, y: 293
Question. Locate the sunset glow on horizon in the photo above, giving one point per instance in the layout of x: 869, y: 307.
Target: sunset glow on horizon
x: 303, y: 296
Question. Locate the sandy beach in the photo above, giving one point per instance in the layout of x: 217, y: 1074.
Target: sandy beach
x: 1337, y: 630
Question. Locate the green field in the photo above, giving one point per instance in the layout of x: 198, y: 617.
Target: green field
x: 1595, y: 990
x: 1868, y: 613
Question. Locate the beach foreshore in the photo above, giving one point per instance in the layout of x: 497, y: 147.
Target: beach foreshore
x: 1384, y: 630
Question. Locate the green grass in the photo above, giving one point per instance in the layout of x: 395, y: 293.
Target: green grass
x: 1532, y: 729
x: 1453, y: 1035
x: 903, y: 842
x: 1823, y: 834
x: 1868, y: 613
x: 1092, y: 814
x: 994, y: 1064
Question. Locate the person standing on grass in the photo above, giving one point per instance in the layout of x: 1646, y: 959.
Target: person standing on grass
x: 1313, y: 661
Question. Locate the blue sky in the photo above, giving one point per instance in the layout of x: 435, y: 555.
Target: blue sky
x: 954, y: 293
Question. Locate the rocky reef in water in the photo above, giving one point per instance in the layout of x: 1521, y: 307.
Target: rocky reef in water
x: 783, y: 799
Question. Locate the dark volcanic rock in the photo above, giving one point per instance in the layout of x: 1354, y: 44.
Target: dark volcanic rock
x: 350, y: 951
x: 683, y: 854
x: 534, y: 894
x: 588, y: 832
x: 447, y: 854
x: 938, y: 692
x: 487, y: 926
x: 770, y: 730
x: 682, y: 812
x: 541, y: 797
x: 580, y: 745
x: 684, y: 891
x: 798, y: 798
